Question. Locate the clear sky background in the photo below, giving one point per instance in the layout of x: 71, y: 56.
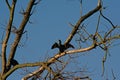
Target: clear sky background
x: 50, y: 22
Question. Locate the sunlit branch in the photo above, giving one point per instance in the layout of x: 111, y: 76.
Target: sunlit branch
x: 84, y: 17
x: 22, y: 66
x: 109, y: 32
x: 97, y: 24
x: 8, y: 31
x: 52, y: 60
x: 20, y: 33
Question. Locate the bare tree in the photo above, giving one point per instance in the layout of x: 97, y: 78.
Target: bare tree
x: 54, y: 67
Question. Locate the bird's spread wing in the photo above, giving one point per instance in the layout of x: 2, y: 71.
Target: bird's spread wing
x: 55, y: 45
x: 70, y: 46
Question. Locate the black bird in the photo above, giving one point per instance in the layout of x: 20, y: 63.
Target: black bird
x: 61, y: 47
x: 14, y: 62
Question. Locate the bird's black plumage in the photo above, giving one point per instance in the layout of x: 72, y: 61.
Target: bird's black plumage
x: 14, y: 62
x: 55, y: 45
x: 61, y: 47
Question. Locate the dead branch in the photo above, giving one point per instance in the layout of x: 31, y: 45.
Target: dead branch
x: 20, y: 33
x: 84, y: 17
x: 8, y: 31
x: 107, y: 19
x: 6, y: 64
x: 22, y: 66
x: 52, y: 60
x: 9, y: 7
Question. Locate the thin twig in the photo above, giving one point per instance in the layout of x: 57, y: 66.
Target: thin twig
x: 107, y: 19
x: 9, y: 7
x: 79, y: 23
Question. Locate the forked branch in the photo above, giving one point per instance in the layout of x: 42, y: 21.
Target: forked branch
x: 8, y: 31
x: 53, y: 59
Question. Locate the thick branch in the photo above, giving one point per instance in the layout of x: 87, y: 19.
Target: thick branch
x: 22, y: 66
x: 80, y: 21
x: 52, y: 60
x: 20, y: 32
x: 8, y: 31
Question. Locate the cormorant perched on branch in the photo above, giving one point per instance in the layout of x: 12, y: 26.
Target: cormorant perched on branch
x: 14, y: 62
x: 61, y: 47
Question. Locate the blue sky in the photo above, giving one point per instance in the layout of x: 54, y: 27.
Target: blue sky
x: 50, y: 22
